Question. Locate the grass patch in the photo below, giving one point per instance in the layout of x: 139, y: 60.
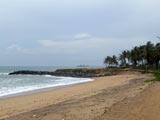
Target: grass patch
x: 155, y: 72
x: 150, y: 81
x: 157, y: 75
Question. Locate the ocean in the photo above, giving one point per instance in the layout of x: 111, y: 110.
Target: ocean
x: 18, y: 84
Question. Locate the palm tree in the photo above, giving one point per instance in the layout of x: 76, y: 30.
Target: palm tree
x: 148, y: 55
x: 137, y: 56
x: 142, y: 54
x: 134, y: 56
x: 114, y: 60
x: 111, y: 61
x: 128, y: 56
x: 150, y: 51
x: 122, y: 58
x: 157, y: 54
x: 108, y: 61
x: 124, y: 53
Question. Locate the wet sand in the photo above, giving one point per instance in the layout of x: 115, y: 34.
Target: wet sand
x: 85, y: 101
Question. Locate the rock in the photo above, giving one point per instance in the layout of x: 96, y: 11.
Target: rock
x: 82, y: 73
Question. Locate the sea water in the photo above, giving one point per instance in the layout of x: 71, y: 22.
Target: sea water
x: 16, y: 84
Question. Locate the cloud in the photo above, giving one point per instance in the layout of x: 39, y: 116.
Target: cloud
x: 104, y: 27
x: 47, y: 43
x: 72, y: 51
x: 85, y: 44
x: 16, y: 49
x: 82, y: 44
x: 82, y: 36
x: 78, y: 41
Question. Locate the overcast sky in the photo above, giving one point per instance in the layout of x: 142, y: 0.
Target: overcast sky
x: 73, y: 32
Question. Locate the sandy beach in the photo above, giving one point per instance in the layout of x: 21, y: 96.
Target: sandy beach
x: 85, y: 101
x: 144, y: 106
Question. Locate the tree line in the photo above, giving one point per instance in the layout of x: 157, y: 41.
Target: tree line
x: 147, y: 55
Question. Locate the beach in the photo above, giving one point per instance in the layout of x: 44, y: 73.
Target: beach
x: 80, y: 60
x: 144, y: 106
x: 82, y: 101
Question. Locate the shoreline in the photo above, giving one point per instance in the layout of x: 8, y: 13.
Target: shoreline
x: 40, y: 100
x: 44, y: 89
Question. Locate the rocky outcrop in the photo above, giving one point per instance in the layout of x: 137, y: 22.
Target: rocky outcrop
x: 29, y: 72
x: 85, y: 73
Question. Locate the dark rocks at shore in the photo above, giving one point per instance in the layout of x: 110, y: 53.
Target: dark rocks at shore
x: 85, y: 73
x: 29, y: 72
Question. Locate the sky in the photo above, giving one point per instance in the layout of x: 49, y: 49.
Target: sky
x: 73, y: 32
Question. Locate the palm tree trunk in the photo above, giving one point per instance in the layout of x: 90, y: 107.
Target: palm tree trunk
x: 157, y: 64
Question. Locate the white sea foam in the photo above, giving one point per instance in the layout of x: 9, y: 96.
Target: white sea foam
x: 20, y: 85
x: 50, y: 76
x: 4, y: 73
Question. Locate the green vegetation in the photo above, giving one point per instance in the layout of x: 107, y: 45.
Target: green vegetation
x: 157, y: 75
x: 144, y: 56
x: 111, y: 61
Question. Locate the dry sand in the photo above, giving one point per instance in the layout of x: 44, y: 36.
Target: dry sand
x: 85, y: 101
x: 145, y: 106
